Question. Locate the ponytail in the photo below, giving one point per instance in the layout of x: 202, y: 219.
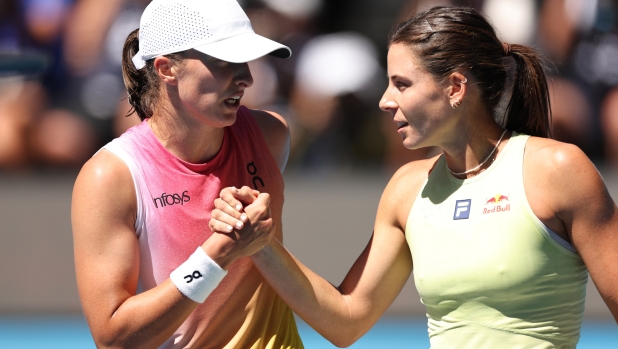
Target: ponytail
x: 141, y: 91
x: 142, y: 85
x: 529, y: 110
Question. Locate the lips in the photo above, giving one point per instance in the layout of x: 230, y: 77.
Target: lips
x: 233, y: 100
x: 401, y: 124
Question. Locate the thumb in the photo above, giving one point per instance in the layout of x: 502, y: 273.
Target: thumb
x: 243, y: 195
x: 263, y: 199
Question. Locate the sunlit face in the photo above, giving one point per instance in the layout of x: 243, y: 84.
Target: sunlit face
x: 419, y: 105
x: 210, y: 89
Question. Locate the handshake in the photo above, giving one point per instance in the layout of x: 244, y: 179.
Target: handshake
x: 241, y: 223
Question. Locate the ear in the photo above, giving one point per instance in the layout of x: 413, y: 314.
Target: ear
x: 456, y: 88
x: 165, y: 70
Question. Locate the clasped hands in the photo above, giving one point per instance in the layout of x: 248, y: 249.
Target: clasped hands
x: 243, y: 215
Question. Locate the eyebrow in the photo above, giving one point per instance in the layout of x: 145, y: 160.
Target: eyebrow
x: 396, y: 76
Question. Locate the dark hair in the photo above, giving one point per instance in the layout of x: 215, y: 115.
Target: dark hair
x: 450, y: 39
x: 143, y: 84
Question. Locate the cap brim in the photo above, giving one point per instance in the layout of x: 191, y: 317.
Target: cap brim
x: 244, y: 48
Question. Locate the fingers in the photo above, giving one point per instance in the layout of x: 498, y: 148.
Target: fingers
x: 219, y: 226
x: 241, y: 232
x: 260, y: 208
x: 238, y: 198
x: 224, y: 207
x: 229, y: 209
x: 225, y: 219
x: 222, y: 221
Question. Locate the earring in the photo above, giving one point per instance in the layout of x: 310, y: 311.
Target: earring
x: 456, y: 104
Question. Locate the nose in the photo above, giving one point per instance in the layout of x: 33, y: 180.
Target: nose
x: 243, y: 76
x: 387, y: 103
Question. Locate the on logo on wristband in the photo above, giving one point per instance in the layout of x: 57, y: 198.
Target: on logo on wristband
x: 196, y: 275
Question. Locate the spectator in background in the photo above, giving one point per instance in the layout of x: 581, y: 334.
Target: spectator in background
x: 609, y: 122
x: 80, y: 100
x: 335, y: 80
x: 325, y: 100
x: 94, y: 40
x: 35, y: 128
x: 561, y: 23
x: 60, y: 117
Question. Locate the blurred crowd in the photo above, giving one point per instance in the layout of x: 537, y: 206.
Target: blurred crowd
x: 61, y: 114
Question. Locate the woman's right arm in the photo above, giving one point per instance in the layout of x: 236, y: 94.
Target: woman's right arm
x: 107, y: 258
x: 341, y: 314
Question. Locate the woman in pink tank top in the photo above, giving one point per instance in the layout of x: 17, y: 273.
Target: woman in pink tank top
x: 150, y: 273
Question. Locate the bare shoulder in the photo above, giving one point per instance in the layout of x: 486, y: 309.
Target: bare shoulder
x: 412, y: 175
x: 561, y: 163
x: 563, y: 175
x: 272, y: 125
x: 104, y: 187
x: 269, y: 119
x: 104, y: 170
x: 402, y: 189
x: 554, y: 153
x: 276, y: 133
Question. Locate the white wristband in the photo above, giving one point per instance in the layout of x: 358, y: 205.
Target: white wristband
x: 198, y: 276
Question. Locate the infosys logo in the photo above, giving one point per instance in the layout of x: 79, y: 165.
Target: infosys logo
x: 172, y: 199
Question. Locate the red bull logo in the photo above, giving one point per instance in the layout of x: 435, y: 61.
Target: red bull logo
x: 499, y: 203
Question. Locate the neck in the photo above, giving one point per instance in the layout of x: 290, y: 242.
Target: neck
x: 475, y: 149
x: 187, y: 139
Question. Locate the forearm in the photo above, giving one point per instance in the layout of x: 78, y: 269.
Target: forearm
x: 613, y: 308
x: 324, y: 307
x: 151, y: 317
x: 145, y: 320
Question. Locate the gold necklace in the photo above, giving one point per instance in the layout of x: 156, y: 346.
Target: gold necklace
x: 482, y: 163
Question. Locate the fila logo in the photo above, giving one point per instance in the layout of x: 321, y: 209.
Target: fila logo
x: 462, y: 209
x: 196, y: 275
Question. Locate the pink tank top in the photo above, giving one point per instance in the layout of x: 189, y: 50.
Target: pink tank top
x: 174, y: 201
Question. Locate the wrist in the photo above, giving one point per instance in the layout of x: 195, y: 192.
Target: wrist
x: 264, y: 253
x: 218, y: 253
x: 198, y: 276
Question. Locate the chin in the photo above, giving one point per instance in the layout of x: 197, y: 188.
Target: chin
x: 417, y: 140
x: 412, y: 144
x: 227, y: 118
x: 228, y: 122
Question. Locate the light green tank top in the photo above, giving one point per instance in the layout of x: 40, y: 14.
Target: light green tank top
x: 486, y: 267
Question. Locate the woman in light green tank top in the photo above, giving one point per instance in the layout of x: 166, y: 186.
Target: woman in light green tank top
x: 500, y: 230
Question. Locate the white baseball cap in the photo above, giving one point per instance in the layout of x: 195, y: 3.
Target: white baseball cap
x: 218, y: 28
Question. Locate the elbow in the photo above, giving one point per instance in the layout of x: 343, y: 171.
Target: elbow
x: 343, y: 342
x: 113, y: 344
x: 104, y: 341
x: 111, y: 340
x: 118, y: 344
x: 345, y: 338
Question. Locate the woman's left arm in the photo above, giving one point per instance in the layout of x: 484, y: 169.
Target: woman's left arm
x: 582, y: 202
x: 276, y: 134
